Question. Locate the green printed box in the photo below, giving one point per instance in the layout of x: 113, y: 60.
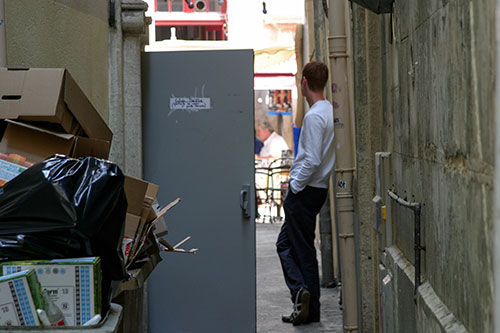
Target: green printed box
x: 20, y: 296
x: 74, y: 285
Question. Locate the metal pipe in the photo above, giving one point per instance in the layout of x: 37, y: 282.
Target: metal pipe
x: 401, y: 201
x: 335, y: 229
x: 417, y: 249
x: 339, y: 61
x: 3, y: 39
x: 496, y: 187
x: 416, y: 207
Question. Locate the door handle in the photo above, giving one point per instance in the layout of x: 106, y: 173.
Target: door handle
x: 245, y: 199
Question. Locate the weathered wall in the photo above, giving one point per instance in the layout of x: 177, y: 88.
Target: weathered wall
x: 367, y: 94
x: 437, y: 122
x: 62, y: 33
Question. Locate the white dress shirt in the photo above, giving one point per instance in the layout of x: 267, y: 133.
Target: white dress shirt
x: 273, y: 146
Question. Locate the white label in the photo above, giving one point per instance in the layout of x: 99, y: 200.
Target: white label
x: 387, y: 279
x: 189, y: 103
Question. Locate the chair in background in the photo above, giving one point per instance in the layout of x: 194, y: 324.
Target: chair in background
x: 279, y: 175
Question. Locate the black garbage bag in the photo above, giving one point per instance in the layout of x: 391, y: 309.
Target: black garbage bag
x: 66, y: 208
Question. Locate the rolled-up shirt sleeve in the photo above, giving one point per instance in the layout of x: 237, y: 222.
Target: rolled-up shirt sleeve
x: 311, y: 143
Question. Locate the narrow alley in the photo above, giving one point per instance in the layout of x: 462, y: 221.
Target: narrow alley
x: 273, y: 296
x: 147, y: 145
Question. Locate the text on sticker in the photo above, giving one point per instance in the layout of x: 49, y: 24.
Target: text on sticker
x: 189, y: 103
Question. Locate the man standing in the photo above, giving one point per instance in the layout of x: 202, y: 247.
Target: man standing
x: 308, y: 187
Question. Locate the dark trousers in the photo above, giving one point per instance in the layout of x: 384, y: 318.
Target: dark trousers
x: 295, y: 244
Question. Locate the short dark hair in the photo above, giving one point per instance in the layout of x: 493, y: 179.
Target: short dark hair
x: 316, y: 74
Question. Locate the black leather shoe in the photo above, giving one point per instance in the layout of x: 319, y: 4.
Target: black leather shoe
x: 287, y: 319
x: 301, y: 308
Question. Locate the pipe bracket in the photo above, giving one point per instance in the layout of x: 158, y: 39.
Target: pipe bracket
x: 338, y: 55
x: 350, y: 328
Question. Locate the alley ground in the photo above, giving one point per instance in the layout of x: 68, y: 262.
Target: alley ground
x: 273, y: 298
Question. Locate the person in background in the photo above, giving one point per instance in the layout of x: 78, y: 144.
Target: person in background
x: 273, y: 142
x: 308, y: 186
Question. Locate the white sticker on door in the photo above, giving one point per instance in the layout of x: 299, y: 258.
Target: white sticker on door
x: 189, y: 103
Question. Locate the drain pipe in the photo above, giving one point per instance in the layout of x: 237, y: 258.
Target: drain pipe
x: 496, y: 188
x: 345, y: 162
x: 3, y: 39
x: 416, y: 207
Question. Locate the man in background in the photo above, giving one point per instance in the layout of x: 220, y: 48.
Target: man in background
x: 273, y: 142
x: 308, y: 187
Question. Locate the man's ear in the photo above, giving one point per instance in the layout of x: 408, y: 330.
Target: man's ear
x: 304, y: 81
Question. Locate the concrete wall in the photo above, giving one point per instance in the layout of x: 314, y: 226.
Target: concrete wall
x: 62, y: 33
x: 367, y: 94
x: 437, y: 115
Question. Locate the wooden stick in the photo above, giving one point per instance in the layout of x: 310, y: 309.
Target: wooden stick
x: 182, y: 242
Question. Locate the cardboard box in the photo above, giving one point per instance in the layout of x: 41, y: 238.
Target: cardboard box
x: 74, y: 285
x: 51, y: 96
x: 20, y: 296
x: 37, y: 144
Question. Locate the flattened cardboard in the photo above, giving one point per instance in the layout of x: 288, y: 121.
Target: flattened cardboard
x: 135, y: 189
x: 140, y: 196
x: 146, y: 227
x: 132, y: 222
x: 49, y: 95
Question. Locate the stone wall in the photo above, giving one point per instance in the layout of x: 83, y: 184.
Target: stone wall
x: 437, y: 123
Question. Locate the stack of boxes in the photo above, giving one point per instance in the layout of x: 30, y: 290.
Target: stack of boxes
x: 48, y: 113
x: 44, y: 112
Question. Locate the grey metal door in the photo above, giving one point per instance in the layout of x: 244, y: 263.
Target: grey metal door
x: 198, y: 129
